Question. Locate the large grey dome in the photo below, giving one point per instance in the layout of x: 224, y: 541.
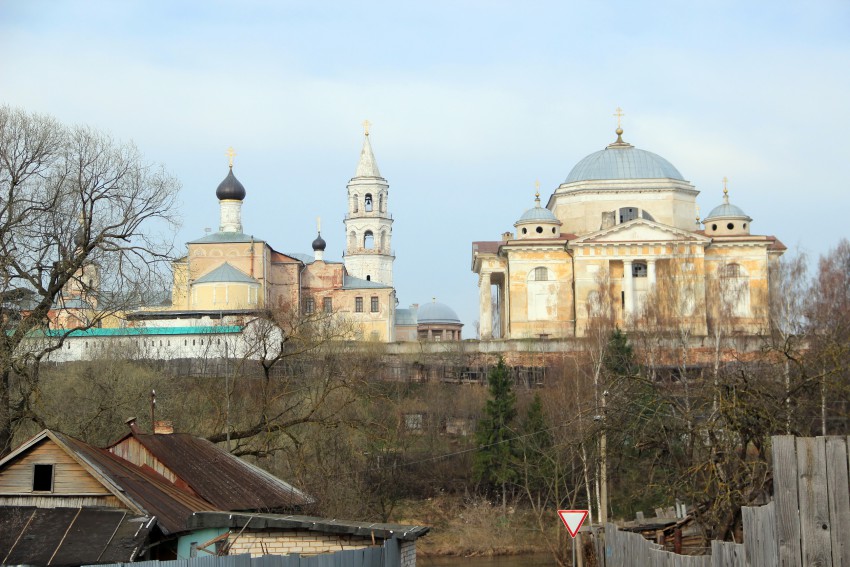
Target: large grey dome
x: 230, y: 188
x: 623, y: 161
x: 437, y: 313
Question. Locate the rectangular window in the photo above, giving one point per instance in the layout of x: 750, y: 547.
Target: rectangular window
x: 358, y: 305
x: 42, y: 478
x: 374, y: 305
x: 309, y: 305
x: 327, y: 305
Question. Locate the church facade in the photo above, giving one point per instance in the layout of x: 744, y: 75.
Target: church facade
x: 621, y: 240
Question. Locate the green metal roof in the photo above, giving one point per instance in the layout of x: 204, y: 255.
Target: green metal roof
x: 136, y: 331
x: 226, y: 237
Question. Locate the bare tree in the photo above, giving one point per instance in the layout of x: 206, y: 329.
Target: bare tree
x: 85, y: 226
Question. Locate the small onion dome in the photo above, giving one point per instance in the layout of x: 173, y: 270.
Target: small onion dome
x: 230, y: 188
x: 538, y: 222
x: 435, y: 312
x: 319, y: 244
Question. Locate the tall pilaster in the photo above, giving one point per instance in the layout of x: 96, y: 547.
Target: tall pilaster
x: 485, y: 319
x: 368, y: 224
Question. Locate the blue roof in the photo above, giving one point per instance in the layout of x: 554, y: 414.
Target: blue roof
x: 626, y: 162
x: 538, y: 214
x: 726, y: 211
x: 437, y: 313
x: 226, y: 274
x: 350, y: 282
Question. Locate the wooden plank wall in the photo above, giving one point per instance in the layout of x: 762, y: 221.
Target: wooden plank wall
x: 807, y: 524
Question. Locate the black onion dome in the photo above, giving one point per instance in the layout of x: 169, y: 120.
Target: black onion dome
x: 319, y: 243
x: 230, y: 188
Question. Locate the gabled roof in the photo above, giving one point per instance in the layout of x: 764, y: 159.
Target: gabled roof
x: 142, y: 492
x: 70, y: 536
x: 219, y: 477
x: 226, y: 273
x: 640, y: 230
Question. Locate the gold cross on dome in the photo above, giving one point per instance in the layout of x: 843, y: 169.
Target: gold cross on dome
x: 537, y: 188
x: 230, y: 153
x: 619, y: 114
x: 366, y: 125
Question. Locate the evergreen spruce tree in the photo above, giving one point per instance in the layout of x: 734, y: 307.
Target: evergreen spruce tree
x: 535, y: 450
x: 495, y: 462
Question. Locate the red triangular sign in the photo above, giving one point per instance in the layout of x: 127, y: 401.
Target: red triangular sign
x: 573, y: 519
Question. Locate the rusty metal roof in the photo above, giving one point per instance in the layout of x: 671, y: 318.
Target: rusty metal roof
x: 221, y: 478
x: 148, y: 491
x: 70, y: 536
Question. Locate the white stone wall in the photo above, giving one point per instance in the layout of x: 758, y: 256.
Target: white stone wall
x: 283, y: 542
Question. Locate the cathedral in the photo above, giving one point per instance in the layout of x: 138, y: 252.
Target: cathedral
x: 621, y: 240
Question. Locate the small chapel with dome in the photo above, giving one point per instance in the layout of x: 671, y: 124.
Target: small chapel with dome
x: 621, y: 239
x: 229, y: 276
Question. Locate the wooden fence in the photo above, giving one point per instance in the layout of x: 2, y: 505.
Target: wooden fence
x: 806, y: 525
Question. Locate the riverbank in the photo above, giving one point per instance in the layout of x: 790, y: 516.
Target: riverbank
x: 472, y: 527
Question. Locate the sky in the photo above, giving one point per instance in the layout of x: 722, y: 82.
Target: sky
x: 470, y: 102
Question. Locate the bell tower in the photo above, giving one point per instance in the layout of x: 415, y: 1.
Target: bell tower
x: 368, y: 224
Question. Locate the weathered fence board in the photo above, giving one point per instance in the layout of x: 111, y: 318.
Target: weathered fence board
x: 366, y: 557
x: 838, y: 491
x: 760, y: 547
x: 727, y: 554
x: 816, y: 542
x: 786, y: 499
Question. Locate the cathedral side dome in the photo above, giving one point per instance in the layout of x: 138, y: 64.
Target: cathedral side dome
x: 230, y: 188
x: 319, y: 244
x: 727, y: 219
x: 435, y: 312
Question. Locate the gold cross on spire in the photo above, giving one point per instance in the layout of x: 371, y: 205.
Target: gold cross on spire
x: 537, y: 188
x: 230, y: 153
x: 366, y: 125
x: 725, y: 190
x: 619, y: 114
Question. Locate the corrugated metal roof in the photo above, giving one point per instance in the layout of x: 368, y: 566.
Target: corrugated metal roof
x: 133, y: 331
x: 70, y: 536
x: 223, y: 479
x: 151, y: 493
x: 265, y: 521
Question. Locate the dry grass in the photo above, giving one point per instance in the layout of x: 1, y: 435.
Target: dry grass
x: 473, y: 527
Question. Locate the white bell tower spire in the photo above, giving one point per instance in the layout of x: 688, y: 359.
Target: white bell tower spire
x: 368, y: 224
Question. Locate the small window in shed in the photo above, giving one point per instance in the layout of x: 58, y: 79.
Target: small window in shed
x: 42, y: 478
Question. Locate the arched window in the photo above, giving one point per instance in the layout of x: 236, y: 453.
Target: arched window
x: 541, y: 274
x: 735, y: 290
x: 383, y: 240
x: 367, y: 206
x: 368, y: 240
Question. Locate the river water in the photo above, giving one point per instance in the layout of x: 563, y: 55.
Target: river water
x: 500, y: 561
